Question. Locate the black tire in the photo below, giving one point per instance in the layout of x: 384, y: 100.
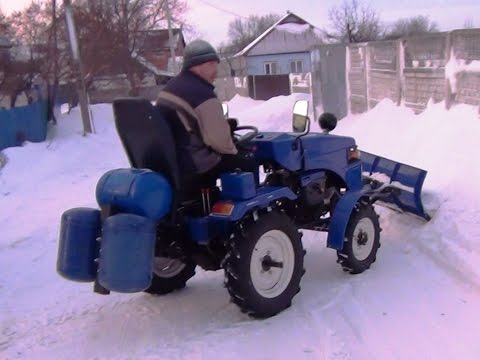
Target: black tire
x: 249, y: 256
x: 362, y: 240
x: 170, y: 275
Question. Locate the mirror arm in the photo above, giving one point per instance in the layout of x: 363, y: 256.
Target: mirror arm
x: 297, y: 143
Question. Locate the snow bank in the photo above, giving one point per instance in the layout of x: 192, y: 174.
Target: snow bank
x: 425, y: 281
x: 445, y: 144
x: 272, y: 115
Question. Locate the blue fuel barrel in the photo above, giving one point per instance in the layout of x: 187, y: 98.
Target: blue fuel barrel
x: 77, y: 248
x: 126, y: 253
x: 135, y: 191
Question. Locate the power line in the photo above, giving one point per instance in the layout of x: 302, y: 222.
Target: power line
x: 220, y: 9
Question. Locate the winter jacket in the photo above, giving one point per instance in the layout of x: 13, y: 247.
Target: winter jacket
x: 204, y: 134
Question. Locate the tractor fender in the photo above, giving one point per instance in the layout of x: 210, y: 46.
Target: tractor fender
x: 340, y: 218
x: 229, y: 210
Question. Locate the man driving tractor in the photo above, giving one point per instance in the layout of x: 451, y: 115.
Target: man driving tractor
x: 203, y: 136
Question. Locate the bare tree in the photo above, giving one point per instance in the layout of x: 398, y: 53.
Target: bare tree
x: 113, y: 32
x: 243, y: 32
x: 5, y: 38
x: 411, y: 26
x: 27, y: 54
x: 468, y: 24
x: 4, y: 25
x: 354, y: 22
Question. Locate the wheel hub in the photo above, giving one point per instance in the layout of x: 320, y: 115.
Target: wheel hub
x: 268, y: 263
x: 167, y: 268
x: 272, y: 263
x: 362, y: 238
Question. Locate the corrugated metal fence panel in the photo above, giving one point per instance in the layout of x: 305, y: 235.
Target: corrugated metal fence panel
x: 26, y: 123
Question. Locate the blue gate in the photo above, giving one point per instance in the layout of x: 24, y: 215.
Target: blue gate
x: 25, y: 123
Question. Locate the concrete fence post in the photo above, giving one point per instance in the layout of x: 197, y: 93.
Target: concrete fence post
x: 400, y: 74
x: 448, y: 86
x: 367, y: 74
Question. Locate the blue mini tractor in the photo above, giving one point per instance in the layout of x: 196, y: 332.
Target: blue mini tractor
x: 153, y: 227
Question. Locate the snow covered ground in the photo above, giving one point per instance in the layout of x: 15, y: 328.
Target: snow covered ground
x: 420, y: 300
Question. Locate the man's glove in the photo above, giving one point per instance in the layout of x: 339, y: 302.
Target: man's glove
x: 233, y: 123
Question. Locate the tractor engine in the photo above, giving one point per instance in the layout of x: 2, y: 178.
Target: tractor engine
x: 318, y: 194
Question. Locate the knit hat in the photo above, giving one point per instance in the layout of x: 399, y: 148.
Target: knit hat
x: 198, y: 52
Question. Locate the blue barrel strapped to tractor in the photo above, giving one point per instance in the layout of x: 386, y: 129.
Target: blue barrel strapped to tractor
x: 152, y: 227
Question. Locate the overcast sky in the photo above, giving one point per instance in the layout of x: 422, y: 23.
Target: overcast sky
x: 211, y: 17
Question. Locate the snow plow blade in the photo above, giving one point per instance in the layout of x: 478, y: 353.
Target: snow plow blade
x: 394, y: 185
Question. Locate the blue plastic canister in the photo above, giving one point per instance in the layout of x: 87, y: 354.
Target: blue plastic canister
x: 238, y: 186
x: 77, y: 248
x: 198, y: 227
x: 126, y: 253
x: 136, y: 191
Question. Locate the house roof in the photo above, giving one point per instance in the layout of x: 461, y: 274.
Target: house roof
x: 150, y: 66
x: 289, y: 17
x: 159, y: 39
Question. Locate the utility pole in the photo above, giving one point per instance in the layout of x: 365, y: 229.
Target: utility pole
x: 82, y: 92
x: 170, y: 37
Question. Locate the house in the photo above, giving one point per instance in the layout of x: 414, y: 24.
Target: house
x: 153, y: 57
x: 154, y: 49
x: 282, y: 50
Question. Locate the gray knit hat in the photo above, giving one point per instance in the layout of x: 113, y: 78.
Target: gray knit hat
x: 198, y: 52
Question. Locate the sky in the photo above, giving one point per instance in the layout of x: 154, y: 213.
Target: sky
x: 211, y: 17
x: 419, y: 300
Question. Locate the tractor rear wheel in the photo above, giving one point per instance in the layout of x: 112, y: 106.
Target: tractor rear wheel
x: 264, y: 265
x: 170, y: 275
x: 362, y: 240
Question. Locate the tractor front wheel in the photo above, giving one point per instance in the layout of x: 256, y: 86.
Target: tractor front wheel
x: 362, y: 240
x: 264, y: 266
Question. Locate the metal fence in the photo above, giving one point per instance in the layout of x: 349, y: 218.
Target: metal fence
x: 25, y: 123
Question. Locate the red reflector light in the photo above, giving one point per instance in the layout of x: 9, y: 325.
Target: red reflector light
x: 222, y: 208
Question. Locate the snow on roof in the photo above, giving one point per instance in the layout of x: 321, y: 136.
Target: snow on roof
x: 293, y: 28
x: 151, y: 66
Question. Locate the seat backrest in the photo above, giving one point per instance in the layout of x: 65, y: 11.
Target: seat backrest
x: 146, y: 137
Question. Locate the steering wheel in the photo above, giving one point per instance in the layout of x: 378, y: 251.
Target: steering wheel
x: 239, y: 139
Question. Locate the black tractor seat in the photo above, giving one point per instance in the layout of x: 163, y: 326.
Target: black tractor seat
x: 149, y: 143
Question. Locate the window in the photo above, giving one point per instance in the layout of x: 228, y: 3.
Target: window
x: 271, y: 68
x: 296, y: 66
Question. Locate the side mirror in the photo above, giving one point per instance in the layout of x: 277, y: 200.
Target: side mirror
x: 301, y: 122
x: 225, y: 110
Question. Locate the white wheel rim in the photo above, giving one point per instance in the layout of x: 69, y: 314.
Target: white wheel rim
x: 270, y: 282
x: 167, y: 268
x: 363, y: 239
